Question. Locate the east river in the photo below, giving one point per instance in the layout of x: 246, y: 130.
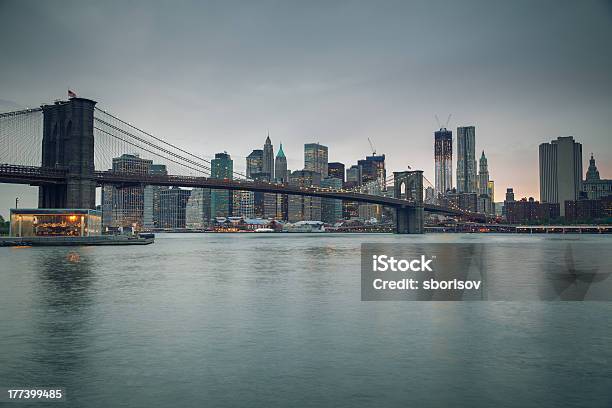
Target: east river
x: 276, y: 320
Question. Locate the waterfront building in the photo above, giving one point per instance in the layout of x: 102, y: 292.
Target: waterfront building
x: 466, y: 161
x: 443, y: 156
x: 222, y: 167
x: 586, y: 210
x: 246, y: 204
x: 530, y: 211
x: 280, y: 166
x: 197, y: 211
x: 124, y: 206
x: 268, y: 158
x: 254, y: 163
x: 560, y: 171
x: 331, y: 209
x: 172, y: 207
x: 151, y: 198
x: 316, y: 158
x: 48, y: 222
x: 336, y: 169
x: 304, y: 208
x: 594, y: 186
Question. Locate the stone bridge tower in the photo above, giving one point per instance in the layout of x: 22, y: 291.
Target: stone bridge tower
x: 409, y: 186
x: 68, y: 142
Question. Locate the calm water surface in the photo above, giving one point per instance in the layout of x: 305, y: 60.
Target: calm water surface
x: 271, y: 320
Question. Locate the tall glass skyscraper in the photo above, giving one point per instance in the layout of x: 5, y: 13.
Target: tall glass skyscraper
x: 466, y: 159
x: 331, y: 209
x: 443, y: 155
x: 222, y: 167
x: 560, y: 171
x: 316, y: 158
x: 254, y: 163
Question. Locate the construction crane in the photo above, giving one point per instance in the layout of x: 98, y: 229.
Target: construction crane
x: 372, y: 147
x: 447, y: 120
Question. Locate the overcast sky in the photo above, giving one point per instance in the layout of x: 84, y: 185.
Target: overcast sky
x: 214, y: 76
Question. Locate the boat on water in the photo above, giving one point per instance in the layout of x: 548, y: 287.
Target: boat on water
x: 264, y: 230
x: 305, y: 226
x: 97, y: 240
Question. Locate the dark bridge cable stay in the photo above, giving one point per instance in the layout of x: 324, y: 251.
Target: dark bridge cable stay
x: 157, y: 139
x: 21, y: 137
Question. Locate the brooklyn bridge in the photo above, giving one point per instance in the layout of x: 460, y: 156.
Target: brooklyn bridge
x: 66, y: 149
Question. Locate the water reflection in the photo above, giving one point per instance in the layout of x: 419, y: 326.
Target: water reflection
x: 62, y: 319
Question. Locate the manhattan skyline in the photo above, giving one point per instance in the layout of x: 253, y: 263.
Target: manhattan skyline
x: 215, y: 78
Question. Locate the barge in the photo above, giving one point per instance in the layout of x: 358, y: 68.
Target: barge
x: 98, y: 240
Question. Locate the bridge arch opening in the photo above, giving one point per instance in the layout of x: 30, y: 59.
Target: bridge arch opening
x: 402, y: 189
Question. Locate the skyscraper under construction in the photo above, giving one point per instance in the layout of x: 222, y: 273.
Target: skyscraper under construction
x: 443, y: 153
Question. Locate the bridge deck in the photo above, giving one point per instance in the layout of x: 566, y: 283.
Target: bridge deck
x: 41, y: 175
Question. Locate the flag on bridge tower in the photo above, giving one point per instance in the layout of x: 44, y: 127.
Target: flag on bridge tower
x: 71, y: 94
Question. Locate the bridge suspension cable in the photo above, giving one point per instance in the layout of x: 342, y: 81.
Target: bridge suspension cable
x: 171, y: 149
x: 21, y: 137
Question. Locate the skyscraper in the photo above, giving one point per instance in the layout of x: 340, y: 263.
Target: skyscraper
x: 336, y: 169
x: 124, y: 206
x: 246, y: 206
x: 466, y: 159
x: 373, y: 169
x: 560, y: 171
x: 280, y: 166
x: 331, y: 209
x: 254, y: 163
x: 304, y: 208
x: 172, y: 205
x: 353, y: 176
x: 197, y: 211
x: 268, y: 158
x: 151, y: 198
x: 443, y: 155
x: 222, y: 167
x: 483, y: 175
x: 316, y: 158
